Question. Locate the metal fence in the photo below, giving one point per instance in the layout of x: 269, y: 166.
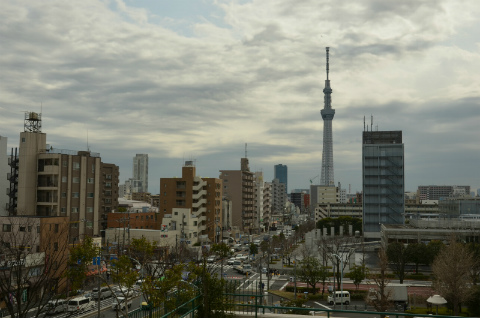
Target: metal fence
x: 186, y: 309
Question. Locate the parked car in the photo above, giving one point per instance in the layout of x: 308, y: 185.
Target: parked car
x: 237, y: 247
x: 231, y: 261
x: 211, y: 259
x: 55, y: 306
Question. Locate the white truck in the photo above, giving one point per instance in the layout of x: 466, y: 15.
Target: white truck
x: 244, y: 269
x: 119, y: 303
x: 122, y: 299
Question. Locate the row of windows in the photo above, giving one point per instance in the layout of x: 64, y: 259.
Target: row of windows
x: 28, y: 228
x: 75, y: 210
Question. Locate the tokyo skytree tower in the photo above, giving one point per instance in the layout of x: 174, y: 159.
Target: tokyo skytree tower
x: 327, y: 115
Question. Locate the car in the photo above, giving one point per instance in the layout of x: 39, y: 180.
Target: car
x: 211, y: 259
x: 237, y: 247
x: 231, y: 261
x: 256, y: 242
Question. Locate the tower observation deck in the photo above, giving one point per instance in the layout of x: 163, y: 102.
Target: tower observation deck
x: 327, y: 114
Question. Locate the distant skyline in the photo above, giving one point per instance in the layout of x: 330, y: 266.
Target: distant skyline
x: 196, y: 80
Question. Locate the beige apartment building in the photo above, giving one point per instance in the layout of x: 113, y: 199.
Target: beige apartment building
x: 202, y: 196
x: 65, y: 183
x: 238, y: 187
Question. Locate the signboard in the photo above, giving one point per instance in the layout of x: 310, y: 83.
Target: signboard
x: 97, y: 261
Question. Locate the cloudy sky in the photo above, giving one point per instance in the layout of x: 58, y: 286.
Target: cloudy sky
x: 197, y: 79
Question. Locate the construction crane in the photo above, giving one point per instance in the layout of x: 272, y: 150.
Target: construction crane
x: 311, y: 180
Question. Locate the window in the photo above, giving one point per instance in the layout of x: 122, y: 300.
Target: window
x: 108, y: 185
x: 74, y: 225
x: 76, y: 166
x: 76, y: 180
x: 65, y: 163
x: 64, y: 179
x: 56, y: 228
x: 75, y: 210
x: 75, y: 195
x: 176, y: 213
x: 108, y: 200
x: 90, y: 209
x: 90, y: 195
x: 91, y: 180
x: 64, y: 194
x: 63, y: 210
x: 22, y: 229
x: 55, y: 246
x: 93, y: 168
x: 89, y: 224
x: 108, y: 192
x: 38, y: 228
x: 7, y: 228
x: 108, y: 177
x: 29, y: 228
x: 23, y: 139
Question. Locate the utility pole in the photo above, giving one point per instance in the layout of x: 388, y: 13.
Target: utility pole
x: 295, y: 277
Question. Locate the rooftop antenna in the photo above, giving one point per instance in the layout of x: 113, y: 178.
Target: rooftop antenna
x: 371, y: 124
x: 245, y: 150
x: 363, y: 123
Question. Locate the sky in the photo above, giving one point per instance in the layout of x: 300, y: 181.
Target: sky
x: 198, y: 79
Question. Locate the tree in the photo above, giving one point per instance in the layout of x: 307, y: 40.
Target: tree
x: 33, y: 258
x: 417, y: 253
x: 380, y: 297
x: 337, y: 245
x: 433, y: 249
x: 398, y: 256
x: 358, y: 274
x: 253, y: 249
x: 312, y: 272
x: 222, y: 250
x: 474, y: 249
x: 81, y: 256
x: 451, y: 270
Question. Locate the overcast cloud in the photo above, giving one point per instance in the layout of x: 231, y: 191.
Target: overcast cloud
x: 184, y: 81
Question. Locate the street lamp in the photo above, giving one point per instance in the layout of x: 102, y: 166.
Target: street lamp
x: 341, y: 282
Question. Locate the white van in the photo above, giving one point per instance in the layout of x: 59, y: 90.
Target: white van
x: 56, y: 306
x: 339, y: 298
x: 104, y: 293
x: 80, y: 304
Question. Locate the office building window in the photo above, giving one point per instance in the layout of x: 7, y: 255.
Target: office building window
x: 91, y: 180
x: 90, y: 209
x: 74, y: 210
x: 76, y: 180
x: 90, y: 195
x: 76, y: 166
x: 64, y: 194
x: 64, y: 179
x: 65, y: 163
x: 75, y: 195
x: 7, y: 228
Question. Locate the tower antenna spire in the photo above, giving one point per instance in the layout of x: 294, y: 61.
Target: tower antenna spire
x: 328, y: 49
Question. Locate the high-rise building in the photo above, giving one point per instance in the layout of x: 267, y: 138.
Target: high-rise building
x: 140, y: 171
x: 281, y: 173
x: 73, y: 184
x: 383, y: 181
x: 238, y: 187
x: 4, y: 183
x: 327, y: 114
x: 202, y: 197
x: 258, y: 199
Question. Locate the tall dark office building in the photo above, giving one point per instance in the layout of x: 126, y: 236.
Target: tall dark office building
x: 281, y: 173
x: 383, y: 181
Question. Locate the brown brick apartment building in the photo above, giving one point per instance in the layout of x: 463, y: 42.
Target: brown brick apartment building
x: 203, y: 196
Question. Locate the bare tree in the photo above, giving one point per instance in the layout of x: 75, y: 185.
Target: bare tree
x: 343, y: 246
x: 380, y: 297
x: 452, y: 271
x: 33, y: 258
